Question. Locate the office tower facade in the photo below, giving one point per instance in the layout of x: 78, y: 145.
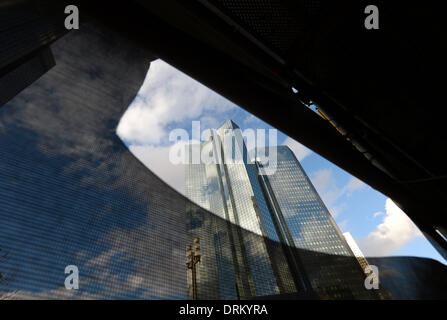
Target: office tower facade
x: 283, y: 208
x: 356, y: 250
x: 369, y: 270
x: 326, y: 259
x: 230, y: 189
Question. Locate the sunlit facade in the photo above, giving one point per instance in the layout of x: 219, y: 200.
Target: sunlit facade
x: 356, y: 250
x: 284, y: 209
x: 230, y: 189
x: 306, y: 225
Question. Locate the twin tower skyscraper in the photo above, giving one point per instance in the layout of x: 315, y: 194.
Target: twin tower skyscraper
x: 271, y: 234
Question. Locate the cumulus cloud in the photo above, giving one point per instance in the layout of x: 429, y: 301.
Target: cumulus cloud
x: 328, y: 190
x: 353, y: 185
x: 298, y: 149
x: 378, y: 213
x: 326, y: 186
x: 395, y: 231
x: 166, y: 98
x: 156, y: 158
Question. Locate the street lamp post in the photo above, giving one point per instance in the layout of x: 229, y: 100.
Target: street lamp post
x: 192, y: 258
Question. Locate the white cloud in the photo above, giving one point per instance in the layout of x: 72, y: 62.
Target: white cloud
x: 142, y: 124
x: 156, y: 158
x: 166, y: 100
x: 378, y: 213
x: 167, y: 97
x: 327, y: 188
x: 354, y: 184
x: 298, y: 149
x: 395, y: 231
x: 209, y: 122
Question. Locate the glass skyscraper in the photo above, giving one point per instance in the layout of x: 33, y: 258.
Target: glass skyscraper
x: 300, y: 248
x: 307, y: 226
x: 230, y: 189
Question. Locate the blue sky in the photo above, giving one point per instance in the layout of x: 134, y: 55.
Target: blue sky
x: 168, y: 99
